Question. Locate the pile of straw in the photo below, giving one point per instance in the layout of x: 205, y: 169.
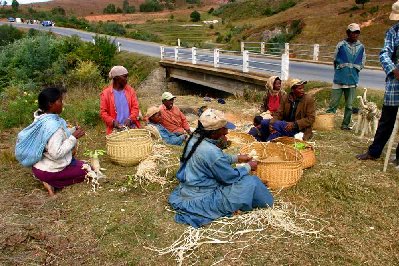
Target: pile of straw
x: 246, y: 229
x: 149, y: 170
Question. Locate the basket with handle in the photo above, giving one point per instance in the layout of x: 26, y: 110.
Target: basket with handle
x: 240, y: 138
x: 279, y: 166
x: 308, y: 153
x: 324, y: 122
x: 129, y: 147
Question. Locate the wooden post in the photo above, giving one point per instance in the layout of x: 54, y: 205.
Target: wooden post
x: 176, y: 54
x: 216, y: 58
x: 193, y: 55
x: 162, y: 52
x: 245, y: 63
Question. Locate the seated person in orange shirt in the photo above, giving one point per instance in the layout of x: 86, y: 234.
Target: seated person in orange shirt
x: 172, y: 118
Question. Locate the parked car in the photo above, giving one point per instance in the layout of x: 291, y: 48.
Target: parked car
x: 11, y: 19
x: 47, y: 23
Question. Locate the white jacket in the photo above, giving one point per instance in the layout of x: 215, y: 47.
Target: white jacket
x: 58, y: 151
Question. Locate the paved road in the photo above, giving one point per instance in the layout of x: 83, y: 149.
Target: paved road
x: 306, y: 71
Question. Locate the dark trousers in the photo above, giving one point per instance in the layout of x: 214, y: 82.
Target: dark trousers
x: 384, y: 131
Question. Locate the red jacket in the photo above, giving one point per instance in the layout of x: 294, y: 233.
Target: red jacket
x: 108, y: 109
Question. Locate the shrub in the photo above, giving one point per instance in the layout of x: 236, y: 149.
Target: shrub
x: 85, y: 76
x: 111, y: 28
x: 195, y: 16
x: 58, y: 11
x: 101, y: 53
x: 210, y: 11
x: 18, y: 111
x: 362, y: 2
x: 9, y: 34
x: 144, y: 35
x: 374, y: 9
x: 109, y: 9
x: 90, y: 114
x: 151, y: 6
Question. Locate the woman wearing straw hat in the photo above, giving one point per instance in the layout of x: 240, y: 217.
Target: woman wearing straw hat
x: 154, y: 118
x: 389, y: 58
x: 209, y: 186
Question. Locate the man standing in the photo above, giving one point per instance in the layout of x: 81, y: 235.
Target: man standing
x: 172, y: 118
x: 389, y: 59
x: 349, y: 59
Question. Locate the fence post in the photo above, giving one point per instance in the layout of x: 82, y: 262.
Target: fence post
x: 119, y: 47
x: 316, y: 51
x: 178, y: 42
x: 287, y: 48
x: 176, y: 53
x: 162, y: 52
x: 216, y: 58
x: 245, y: 63
x: 262, y: 47
x: 193, y: 55
x: 242, y: 47
x: 285, y: 63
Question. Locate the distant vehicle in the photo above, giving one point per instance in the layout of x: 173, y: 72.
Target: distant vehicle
x: 10, y: 19
x: 47, y: 23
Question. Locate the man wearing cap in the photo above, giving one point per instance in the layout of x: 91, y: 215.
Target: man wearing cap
x: 296, y: 114
x: 389, y: 58
x: 172, y: 118
x: 349, y: 59
x: 154, y: 118
x: 209, y: 187
x: 118, y: 102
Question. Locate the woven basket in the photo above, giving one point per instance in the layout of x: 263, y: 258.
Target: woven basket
x: 279, y: 166
x: 240, y: 138
x: 324, y: 122
x: 129, y: 147
x: 308, y: 154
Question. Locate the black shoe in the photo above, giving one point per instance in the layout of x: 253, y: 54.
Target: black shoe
x: 345, y: 128
x: 365, y: 156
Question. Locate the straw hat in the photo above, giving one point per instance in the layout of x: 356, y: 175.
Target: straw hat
x: 297, y: 82
x: 395, y: 11
x: 212, y: 119
x: 152, y: 111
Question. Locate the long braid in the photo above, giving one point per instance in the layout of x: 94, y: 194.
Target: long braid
x: 202, y: 135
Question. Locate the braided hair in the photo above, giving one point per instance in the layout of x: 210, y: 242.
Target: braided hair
x: 202, y: 135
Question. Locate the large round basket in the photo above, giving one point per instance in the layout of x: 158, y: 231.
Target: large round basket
x: 129, y: 147
x: 279, y: 166
x: 240, y: 138
x: 324, y: 122
x: 308, y: 154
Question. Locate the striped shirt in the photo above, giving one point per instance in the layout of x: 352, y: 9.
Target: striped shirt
x: 389, y: 61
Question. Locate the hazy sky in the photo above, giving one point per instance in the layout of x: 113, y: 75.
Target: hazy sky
x: 24, y: 1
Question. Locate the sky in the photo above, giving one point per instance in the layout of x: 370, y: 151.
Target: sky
x: 25, y: 1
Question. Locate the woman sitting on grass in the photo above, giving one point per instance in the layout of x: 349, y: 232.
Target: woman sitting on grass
x: 47, y: 144
x: 154, y: 118
x: 209, y: 186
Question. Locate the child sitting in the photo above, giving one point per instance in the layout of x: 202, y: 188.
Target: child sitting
x: 255, y: 130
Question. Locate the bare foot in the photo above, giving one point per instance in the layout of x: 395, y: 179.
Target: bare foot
x: 50, y: 189
x: 237, y: 212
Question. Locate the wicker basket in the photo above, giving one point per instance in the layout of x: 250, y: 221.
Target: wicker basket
x: 279, y: 166
x: 324, y: 122
x: 240, y: 138
x: 308, y: 154
x: 129, y: 147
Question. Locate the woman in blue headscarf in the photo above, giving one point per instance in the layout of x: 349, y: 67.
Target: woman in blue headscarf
x: 47, y: 144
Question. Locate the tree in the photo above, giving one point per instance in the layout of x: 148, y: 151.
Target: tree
x: 361, y: 2
x: 58, y: 11
x: 126, y: 8
x: 4, y: 3
x: 110, y: 9
x: 151, y: 6
x: 195, y: 16
x: 15, y: 5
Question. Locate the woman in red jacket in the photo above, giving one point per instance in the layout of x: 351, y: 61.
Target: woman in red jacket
x: 119, y: 107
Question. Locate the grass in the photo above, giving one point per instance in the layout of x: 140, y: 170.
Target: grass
x: 355, y: 199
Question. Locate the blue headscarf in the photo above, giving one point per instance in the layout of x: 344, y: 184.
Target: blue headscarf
x: 33, y: 139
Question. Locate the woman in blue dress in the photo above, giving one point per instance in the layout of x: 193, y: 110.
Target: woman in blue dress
x: 209, y: 186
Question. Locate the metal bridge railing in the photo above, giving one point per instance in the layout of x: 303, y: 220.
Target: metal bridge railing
x: 314, y: 52
x: 246, y: 61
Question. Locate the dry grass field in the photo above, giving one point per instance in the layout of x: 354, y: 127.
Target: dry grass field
x: 352, y: 203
